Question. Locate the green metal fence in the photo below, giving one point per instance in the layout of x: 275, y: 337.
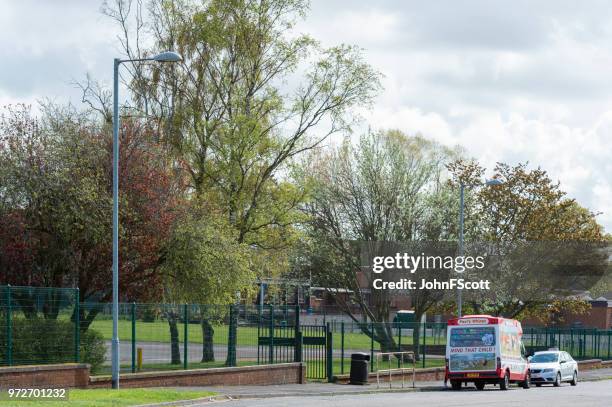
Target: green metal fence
x: 41, y: 325
x: 428, y: 342
x: 581, y: 343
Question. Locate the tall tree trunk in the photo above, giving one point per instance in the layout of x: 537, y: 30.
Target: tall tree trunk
x: 232, y: 339
x: 416, y: 340
x: 384, y: 336
x: 208, y: 351
x: 174, y: 340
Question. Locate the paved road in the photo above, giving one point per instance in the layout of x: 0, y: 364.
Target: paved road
x: 597, y: 393
x: 159, y: 352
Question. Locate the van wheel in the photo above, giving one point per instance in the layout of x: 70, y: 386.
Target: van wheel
x: 504, y: 383
x: 527, y: 382
x: 557, y: 382
x: 456, y: 384
x: 574, y: 379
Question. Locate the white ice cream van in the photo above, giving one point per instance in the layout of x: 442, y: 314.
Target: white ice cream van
x: 482, y: 349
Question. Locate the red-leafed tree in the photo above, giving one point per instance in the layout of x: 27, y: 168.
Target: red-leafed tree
x: 56, y: 205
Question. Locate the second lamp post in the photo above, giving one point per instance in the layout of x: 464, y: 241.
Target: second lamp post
x: 491, y: 182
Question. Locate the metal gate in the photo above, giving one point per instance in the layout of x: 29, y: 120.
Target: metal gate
x: 316, y: 350
x: 277, y: 344
x: 305, y: 343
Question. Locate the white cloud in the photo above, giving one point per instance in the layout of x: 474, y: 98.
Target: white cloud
x: 510, y: 81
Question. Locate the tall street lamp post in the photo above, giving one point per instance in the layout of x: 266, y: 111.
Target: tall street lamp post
x: 163, y: 57
x: 491, y: 182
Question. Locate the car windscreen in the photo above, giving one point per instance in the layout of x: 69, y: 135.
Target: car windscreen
x: 545, y: 358
x: 472, y: 337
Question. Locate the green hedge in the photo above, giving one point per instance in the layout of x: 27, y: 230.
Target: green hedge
x: 46, y: 341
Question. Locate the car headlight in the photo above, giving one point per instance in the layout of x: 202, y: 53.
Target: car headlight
x: 547, y: 370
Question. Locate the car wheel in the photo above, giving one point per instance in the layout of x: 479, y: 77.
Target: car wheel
x: 538, y: 384
x: 456, y: 384
x: 574, y: 379
x: 480, y: 385
x: 527, y: 382
x: 504, y: 384
x: 557, y: 382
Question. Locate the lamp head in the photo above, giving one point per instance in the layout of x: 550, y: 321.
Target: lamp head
x: 168, y: 56
x: 494, y: 182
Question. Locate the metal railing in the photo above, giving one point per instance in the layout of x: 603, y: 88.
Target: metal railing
x: 401, y: 356
x: 40, y: 325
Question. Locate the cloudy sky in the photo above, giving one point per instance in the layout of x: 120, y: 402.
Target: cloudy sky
x: 510, y: 81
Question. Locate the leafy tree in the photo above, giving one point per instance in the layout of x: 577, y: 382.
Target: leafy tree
x: 372, y: 196
x: 56, y: 205
x: 227, y: 113
x: 205, y: 264
x: 544, y: 245
x: 224, y: 112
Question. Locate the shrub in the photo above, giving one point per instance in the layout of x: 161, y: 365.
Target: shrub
x: 93, y: 349
x: 47, y: 341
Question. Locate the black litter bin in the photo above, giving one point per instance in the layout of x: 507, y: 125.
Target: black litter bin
x: 360, y: 368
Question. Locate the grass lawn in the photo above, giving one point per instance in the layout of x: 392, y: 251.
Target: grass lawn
x: 247, y: 335
x: 146, y: 367
x: 109, y: 397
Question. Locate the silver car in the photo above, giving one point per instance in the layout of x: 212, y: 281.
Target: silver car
x: 553, y: 367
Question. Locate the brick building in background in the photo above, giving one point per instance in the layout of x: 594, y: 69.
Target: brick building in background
x: 599, y: 316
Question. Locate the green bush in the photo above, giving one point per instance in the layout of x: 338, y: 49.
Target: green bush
x: 93, y: 349
x: 46, y: 341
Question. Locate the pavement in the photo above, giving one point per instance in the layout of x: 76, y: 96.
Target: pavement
x: 312, y: 389
x: 594, y: 389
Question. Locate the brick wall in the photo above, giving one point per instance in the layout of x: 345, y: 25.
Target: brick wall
x: 61, y: 375
x: 285, y: 373
x: 77, y: 375
x: 428, y: 374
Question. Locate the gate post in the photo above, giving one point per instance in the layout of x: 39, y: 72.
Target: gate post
x: 133, y: 337
x: 185, y: 339
x: 232, y: 339
x: 372, y: 347
x: 424, y: 337
x: 342, y: 347
x: 9, y: 334
x: 271, y: 336
x: 297, y: 321
x: 297, y: 357
x: 77, y: 327
x: 330, y: 355
x: 399, y: 344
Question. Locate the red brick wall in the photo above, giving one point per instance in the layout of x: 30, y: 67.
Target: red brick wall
x: 50, y: 376
x: 429, y: 374
x: 286, y: 373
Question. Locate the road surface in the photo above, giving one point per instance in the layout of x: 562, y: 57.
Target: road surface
x: 597, y: 393
x: 159, y: 352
